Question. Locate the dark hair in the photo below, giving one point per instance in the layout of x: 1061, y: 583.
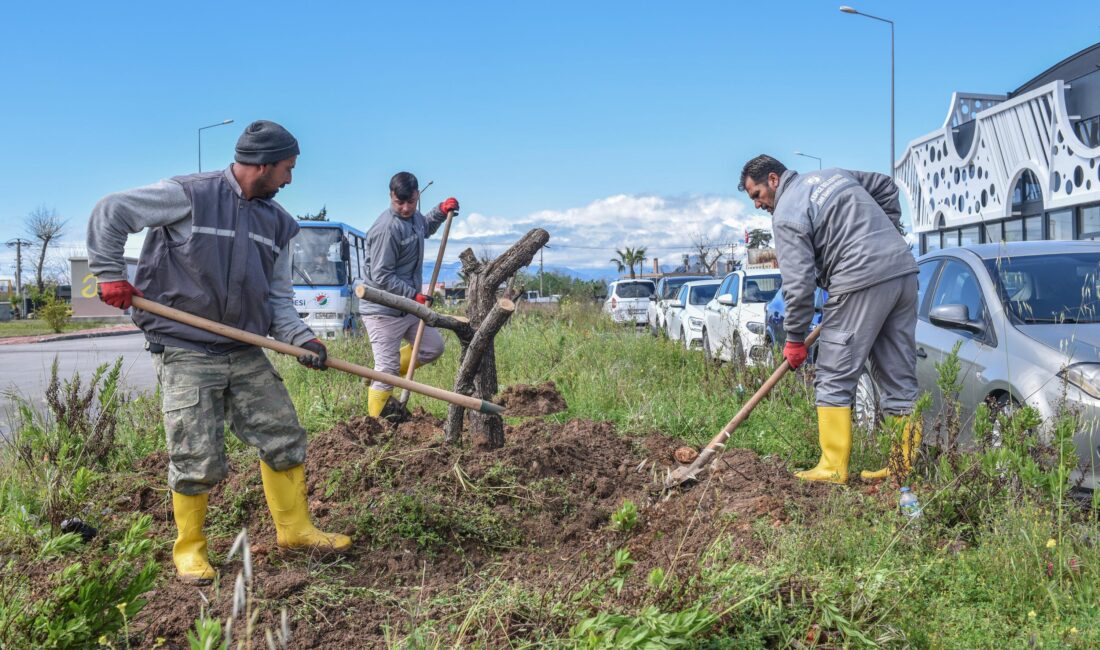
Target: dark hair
x: 758, y: 169
x: 403, y: 185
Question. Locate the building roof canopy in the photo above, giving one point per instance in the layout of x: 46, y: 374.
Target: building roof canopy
x: 1068, y: 69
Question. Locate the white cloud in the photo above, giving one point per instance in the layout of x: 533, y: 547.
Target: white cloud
x: 587, y: 236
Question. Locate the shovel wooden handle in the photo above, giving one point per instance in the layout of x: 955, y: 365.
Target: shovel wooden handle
x: 404, y: 399
x: 295, y: 351
x: 719, y: 441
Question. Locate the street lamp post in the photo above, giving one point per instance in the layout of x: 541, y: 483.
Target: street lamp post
x: 806, y: 155
x: 849, y: 10
x: 210, y: 126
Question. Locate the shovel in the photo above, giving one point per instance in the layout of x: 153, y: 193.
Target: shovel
x: 464, y: 401
x: 690, y: 472
x: 431, y: 292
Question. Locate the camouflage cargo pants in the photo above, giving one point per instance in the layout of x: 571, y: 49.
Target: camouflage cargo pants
x: 201, y: 391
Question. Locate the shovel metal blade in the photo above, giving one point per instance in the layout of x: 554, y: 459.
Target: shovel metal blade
x: 683, y: 475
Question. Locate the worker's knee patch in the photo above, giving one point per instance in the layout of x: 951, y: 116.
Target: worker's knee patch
x: 431, y: 346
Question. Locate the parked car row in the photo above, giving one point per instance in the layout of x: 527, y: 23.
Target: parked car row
x: 1025, y: 315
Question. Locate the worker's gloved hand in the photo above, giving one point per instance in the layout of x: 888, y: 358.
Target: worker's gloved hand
x: 795, y: 353
x: 424, y: 300
x: 450, y: 205
x: 309, y: 360
x: 119, y: 293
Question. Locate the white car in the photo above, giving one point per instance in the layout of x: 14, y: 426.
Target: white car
x: 667, y: 288
x: 684, y: 315
x: 628, y: 300
x: 734, y: 321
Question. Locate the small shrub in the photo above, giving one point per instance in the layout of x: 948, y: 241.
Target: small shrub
x: 56, y: 313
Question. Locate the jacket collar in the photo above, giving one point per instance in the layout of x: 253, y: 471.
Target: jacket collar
x: 786, y: 179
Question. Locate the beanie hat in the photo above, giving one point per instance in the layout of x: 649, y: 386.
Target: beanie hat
x: 264, y: 142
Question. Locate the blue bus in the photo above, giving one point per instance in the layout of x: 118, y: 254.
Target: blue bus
x: 326, y: 259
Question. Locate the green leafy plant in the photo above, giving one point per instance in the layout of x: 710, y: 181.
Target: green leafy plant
x: 625, y: 518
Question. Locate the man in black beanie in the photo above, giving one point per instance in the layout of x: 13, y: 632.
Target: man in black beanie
x: 217, y: 247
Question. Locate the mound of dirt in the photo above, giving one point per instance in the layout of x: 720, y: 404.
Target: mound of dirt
x: 524, y: 400
x: 428, y: 517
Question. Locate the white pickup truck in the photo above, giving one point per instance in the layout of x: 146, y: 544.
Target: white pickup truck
x: 535, y: 296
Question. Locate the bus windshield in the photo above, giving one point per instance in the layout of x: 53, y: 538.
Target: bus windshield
x: 316, y: 258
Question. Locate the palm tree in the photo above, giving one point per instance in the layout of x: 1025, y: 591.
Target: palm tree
x: 627, y: 257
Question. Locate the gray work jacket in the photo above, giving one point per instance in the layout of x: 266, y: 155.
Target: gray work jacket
x: 836, y: 229
x: 395, y: 256
x: 209, y: 252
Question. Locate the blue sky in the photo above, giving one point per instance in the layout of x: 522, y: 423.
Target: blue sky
x: 610, y: 123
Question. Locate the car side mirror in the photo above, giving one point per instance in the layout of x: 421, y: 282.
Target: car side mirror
x: 675, y: 304
x: 955, y: 317
x: 345, y: 249
x: 727, y: 300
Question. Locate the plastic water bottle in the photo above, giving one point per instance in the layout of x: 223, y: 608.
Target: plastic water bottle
x: 910, y: 507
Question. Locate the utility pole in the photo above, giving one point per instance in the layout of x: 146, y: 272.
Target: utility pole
x: 19, y: 244
x: 541, y: 294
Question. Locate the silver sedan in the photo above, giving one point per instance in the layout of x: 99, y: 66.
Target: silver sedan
x: 1027, y: 318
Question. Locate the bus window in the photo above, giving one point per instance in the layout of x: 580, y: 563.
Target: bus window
x: 316, y: 258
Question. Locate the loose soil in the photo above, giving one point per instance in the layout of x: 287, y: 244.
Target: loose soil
x: 524, y: 400
x: 429, y: 519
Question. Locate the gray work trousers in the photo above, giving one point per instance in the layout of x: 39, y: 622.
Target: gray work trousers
x: 880, y: 323
x: 200, y: 391
x: 387, y: 332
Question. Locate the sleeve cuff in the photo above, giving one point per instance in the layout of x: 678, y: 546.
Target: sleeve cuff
x: 796, y: 338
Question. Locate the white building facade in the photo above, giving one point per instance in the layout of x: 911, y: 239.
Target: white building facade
x: 1020, y: 166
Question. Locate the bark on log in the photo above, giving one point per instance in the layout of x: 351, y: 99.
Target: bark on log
x: 457, y: 324
x: 473, y: 355
x: 483, y: 279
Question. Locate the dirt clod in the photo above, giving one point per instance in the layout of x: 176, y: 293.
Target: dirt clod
x: 685, y: 455
x: 524, y: 400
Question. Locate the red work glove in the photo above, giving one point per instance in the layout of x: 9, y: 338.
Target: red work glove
x: 795, y: 353
x: 319, y: 356
x: 119, y: 293
x: 424, y: 300
x: 450, y: 205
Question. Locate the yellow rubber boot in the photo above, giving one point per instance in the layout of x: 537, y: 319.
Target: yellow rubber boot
x: 905, y: 449
x: 406, y: 359
x: 286, y: 498
x: 189, y: 551
x: 834, y: 426
x: 376, y: 400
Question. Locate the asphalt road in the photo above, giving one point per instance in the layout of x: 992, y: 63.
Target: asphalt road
x: 25, y: 369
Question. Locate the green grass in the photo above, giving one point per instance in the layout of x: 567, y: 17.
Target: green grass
x: 36, y: 327
x: 1000, y: 557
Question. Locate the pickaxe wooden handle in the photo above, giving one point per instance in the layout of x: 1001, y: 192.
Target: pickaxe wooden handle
x: 404, y: 399
x: 295, y: 351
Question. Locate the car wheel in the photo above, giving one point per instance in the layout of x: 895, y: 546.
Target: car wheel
x: 737, y: 352
x: 708, y: 351
x: 1002, y: 405
x: 865, y: 409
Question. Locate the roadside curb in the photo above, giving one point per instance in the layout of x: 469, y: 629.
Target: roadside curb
x: 83, y: 334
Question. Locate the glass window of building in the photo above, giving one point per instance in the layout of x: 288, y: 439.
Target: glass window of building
x: 1060, y: 224
x: 994, y: 232
x: 931, y: 242
x: 950, y: 238
x: 1027, y: 193
x: 969, y: 236
x: 1033, y: 228
x: 1089, y: 224
x: 1014, y: 230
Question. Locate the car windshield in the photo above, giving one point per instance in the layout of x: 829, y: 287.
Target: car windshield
x: 316, y: 258
x: 672, y: 286
x: 702, y: 295
x: 634, y: 290
x: 761, y: 288
x: 1058, y: 288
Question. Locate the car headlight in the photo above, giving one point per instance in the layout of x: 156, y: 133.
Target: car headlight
x: 755, y: 327
x: 1085, y: 376
x: 695, y: 323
